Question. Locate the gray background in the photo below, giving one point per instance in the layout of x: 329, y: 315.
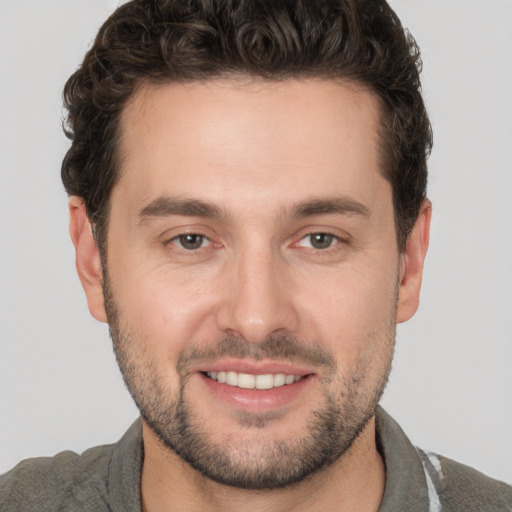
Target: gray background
x: 451, y: 386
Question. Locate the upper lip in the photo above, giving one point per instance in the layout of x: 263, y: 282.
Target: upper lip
x: 252, y: 367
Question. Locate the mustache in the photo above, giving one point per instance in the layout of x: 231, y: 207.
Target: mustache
x: 275, y: 346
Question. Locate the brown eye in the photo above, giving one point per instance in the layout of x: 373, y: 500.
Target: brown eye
x: 191, y: 241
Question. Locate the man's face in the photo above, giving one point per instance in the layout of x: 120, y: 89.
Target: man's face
x: 251, y: 239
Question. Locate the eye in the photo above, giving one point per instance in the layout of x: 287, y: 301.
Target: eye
x: 191, y: 241
x: 318, y: 241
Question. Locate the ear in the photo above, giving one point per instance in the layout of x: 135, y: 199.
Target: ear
x: 411, y: 265
x: 88, y: 263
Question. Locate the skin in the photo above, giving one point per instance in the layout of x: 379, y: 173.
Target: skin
x: 255, y: 151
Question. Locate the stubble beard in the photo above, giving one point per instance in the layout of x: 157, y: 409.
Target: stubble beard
x: 263, y: 464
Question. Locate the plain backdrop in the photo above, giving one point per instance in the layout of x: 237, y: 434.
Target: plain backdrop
x: 451, y: 387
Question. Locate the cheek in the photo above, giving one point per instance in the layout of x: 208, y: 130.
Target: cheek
x: 347, y: 308
x: 167, y: 309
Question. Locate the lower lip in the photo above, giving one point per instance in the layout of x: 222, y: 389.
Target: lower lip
x: 256, y: 400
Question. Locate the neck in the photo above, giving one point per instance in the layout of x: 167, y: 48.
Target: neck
x: 354, y: 482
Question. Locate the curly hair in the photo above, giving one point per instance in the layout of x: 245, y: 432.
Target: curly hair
x: 161, y: 41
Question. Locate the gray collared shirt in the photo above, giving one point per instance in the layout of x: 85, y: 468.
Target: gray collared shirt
x: 107, y: 478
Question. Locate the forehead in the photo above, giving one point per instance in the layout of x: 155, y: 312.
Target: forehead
x: 250, y: 139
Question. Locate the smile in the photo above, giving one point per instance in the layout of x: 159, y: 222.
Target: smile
x: 250, y: 381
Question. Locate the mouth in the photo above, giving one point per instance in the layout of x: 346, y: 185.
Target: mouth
x: 250, y: 381
x: 255, y: 387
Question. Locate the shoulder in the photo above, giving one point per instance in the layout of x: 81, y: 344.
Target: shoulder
x: 423, y: 481
x: 462, y: 488
x: 36, y: 484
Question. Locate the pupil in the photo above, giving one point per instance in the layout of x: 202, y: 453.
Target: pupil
x: 191, y: 241
x: 321, y: 240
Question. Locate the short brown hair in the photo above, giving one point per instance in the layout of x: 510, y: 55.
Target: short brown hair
x: 162, y: 41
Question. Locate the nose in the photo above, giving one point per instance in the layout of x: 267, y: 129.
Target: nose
x: 257, y: 297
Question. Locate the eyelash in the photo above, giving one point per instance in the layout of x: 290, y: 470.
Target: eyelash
x: 177, y: 240
x: 334, y: 240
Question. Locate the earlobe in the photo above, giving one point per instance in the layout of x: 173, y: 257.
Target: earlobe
x: 88, y: 262
x: 411, y: 265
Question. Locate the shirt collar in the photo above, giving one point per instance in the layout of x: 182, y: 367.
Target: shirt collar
x: 405, y: 490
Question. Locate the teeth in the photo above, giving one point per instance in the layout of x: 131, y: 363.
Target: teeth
x: 279, y: 379
x: 248, y: 381
x: 232, y: 378
x: 265, y: 381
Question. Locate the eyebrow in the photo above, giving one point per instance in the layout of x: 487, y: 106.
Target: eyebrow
x: 172, y: 206
x: 340, y: 205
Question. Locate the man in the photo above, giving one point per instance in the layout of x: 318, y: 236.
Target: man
x: 249, y: 214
